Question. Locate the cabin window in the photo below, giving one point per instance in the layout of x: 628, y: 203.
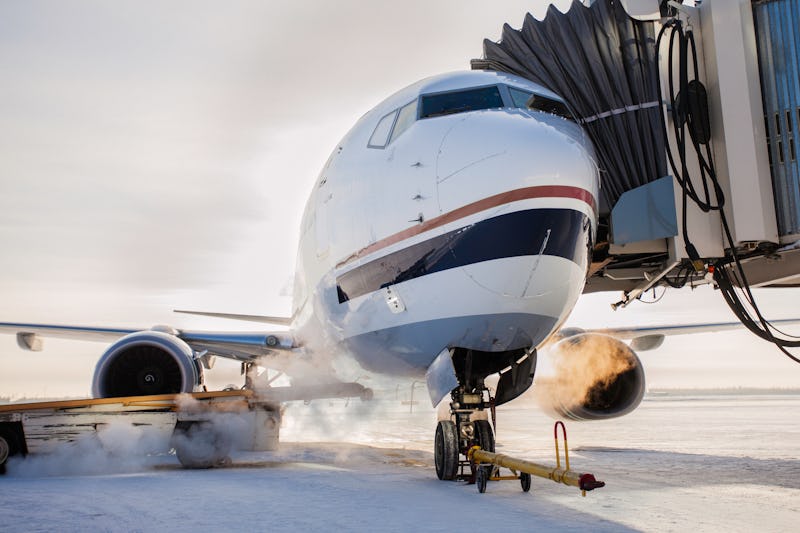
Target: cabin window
x: 405, y: 118
x: 437, y: 105
x: 381, y: 134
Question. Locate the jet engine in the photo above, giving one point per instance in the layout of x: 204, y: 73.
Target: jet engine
x: 593, y: 377
x: 144, y: 363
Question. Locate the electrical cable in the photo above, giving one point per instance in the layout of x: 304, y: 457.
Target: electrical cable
x: 655, y: 299
x: 728, y: 272
x: 681, y: 279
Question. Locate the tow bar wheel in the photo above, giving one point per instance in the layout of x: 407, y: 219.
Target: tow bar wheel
x: 482, y: 477
x: 445, y: 450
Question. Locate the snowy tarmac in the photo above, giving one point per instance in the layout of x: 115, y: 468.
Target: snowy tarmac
x: 698, y: 462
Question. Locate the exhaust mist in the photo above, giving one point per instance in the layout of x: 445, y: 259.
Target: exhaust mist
x: 588, y: 377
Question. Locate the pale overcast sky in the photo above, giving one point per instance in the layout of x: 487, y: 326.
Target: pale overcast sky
x: 157, y: 155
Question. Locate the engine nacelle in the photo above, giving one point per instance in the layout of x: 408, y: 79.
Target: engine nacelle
x: 595, y: 377
x: 144, y: 363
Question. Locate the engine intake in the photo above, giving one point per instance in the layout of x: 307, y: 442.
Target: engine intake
x: 145, y: 363
x: 595, y: 377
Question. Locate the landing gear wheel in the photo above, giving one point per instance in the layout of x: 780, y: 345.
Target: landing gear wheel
x: 445, y: 450
x: 200, y: 445
x: 484, y: 438
x: 525, y: 481
x: 481, y: 477
x: 484, y: 435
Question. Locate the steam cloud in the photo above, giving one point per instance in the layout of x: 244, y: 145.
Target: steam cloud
x: 125, y: 445
x: 579, y: 366
x: 116, y: 447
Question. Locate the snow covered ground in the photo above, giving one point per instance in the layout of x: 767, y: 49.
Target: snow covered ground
x: 680, y: 462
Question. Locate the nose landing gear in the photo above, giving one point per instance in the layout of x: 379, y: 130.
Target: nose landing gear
x: 471, y: 402
x: 468, y: 426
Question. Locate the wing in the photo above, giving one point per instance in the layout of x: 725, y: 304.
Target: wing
x: 650, y: 337
x: 164, y: 360
x: 683, y: 329
x: 63, y: 332
x: 243, y: 346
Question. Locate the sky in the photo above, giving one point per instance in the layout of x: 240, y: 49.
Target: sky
x: 156, y: 156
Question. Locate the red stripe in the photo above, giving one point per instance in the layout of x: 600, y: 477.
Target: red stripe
x: 541, y: 191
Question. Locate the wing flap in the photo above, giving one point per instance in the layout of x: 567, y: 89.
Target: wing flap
x: 277, y: 320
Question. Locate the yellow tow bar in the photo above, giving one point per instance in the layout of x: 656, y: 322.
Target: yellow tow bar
x: 485, y: 462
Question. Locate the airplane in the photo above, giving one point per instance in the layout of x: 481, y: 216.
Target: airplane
x: 449, y: 235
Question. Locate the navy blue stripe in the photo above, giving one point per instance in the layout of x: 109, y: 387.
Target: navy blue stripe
x: 512, y: 235
x: 410, y: 348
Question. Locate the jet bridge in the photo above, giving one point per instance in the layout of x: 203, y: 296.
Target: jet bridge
x: 695, y: 115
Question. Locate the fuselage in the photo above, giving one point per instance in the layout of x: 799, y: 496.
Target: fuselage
x: 458, y: 213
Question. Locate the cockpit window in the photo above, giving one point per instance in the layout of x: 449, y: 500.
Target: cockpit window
x: 437, y: 105
x: 548, y: 105
x: 405, y: 118
x: 519, y: 97
x: 537, y: 102
x: 381, y: 134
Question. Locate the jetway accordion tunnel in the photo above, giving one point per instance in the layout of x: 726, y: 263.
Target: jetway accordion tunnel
x: 669, y: 95
x: 604, y: 64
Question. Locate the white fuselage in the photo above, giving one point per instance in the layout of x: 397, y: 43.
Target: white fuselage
x: 436, y: 225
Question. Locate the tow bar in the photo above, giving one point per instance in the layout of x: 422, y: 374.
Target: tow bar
x: 487, y: 467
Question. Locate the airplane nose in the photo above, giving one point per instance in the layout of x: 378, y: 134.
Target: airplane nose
x: 536, y: 181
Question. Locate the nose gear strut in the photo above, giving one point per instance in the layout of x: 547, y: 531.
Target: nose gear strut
x: 468, y: 426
